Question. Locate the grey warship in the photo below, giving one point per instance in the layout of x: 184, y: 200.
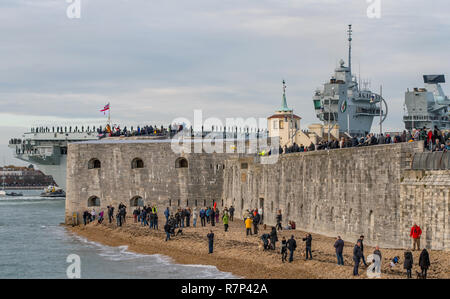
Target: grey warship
x: 427, y: 107
x: 343, y: 102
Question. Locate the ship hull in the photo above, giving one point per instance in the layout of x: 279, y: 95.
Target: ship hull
x: 58, y: 172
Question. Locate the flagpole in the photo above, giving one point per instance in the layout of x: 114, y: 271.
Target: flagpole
x: 109, y: 114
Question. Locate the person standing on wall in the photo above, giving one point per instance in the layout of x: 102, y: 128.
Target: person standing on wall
x: 210, y: 237
x: 415, y: 235
x: 339, y: 245
x: 308, y: 243
x: 361, y: 240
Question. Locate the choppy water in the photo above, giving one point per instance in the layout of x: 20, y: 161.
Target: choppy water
x: 33, y: 245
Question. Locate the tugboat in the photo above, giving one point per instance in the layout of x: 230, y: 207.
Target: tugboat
x: 53, y: 191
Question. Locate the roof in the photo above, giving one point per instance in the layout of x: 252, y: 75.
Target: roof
x: 283, y: 115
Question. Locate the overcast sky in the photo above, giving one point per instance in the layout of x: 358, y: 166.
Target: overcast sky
x: 159, y: 60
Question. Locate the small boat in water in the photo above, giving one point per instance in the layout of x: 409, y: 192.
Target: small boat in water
x: 53, y: 191
x: 14, y: 194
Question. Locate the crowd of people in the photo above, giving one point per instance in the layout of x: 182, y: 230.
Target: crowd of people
x: 434, y: 140
x: 252, y: 219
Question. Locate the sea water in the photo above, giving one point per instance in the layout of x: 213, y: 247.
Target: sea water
x: 34, y: 245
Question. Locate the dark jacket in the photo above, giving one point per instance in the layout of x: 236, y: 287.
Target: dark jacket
x: 362, y: 244
x: 339, y: 245
x: 308, y: 240
x: 424, y: 259
x: 273, y: 236
x: 357, y: 253
x: 291, y: 244
x: 408, y: 263
x: 210, y: 237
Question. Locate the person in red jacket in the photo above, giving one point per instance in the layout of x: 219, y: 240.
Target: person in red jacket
x: 415, y: 235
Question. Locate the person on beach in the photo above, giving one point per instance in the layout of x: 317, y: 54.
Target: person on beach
x: 424, y: 262
x: 167, y: 214
x: 110, y: 213
x: 283, y: 249
x: 231, y: 213
x: 210, y: 237
x: 308, y: 242
x: 183, y: 217
x: 265, y: 238
x: 361, y: 240
x: 194, y: 217
x: 100, y: 217
x: 203, y: 217
x: 408, y: 263
x: 85, y: 217
x: 279, y: 220
x: 119, y: 219
x: 415, y: 234
x: 339, y: 245
x: 93, y: 214
x: 212, y: 215
x: 188, y: 217
x: 256, y: 220
x: 217, y: 213
x: 225, y: 221
x: 167, y: 230
x: 377, y: 265
x: 248, y: 225
x: 208, y: 214
x: 136, y: 215
x: 357, y: 254
x: 291, y: 245
x: 273, y: 237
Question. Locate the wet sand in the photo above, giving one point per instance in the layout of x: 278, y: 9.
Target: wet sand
x: 243, y: 255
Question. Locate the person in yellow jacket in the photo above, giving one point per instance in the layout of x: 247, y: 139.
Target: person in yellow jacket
x: 248, y: 225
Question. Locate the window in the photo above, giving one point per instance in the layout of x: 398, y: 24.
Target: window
x: 281, y: 124
x: 275, y: 124
x: 137, y: 201
x: 181, y: 163
x: 137, y: 163
x: 93, y: 201
x: 244, y: 165
x: 94, y: 163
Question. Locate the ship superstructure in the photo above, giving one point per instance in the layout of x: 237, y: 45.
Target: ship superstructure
x: 343, y: 102
x: 48, y: 150
x: 427, y: 107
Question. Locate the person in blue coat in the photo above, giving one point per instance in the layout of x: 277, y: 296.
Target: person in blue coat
x: 167, y: 214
